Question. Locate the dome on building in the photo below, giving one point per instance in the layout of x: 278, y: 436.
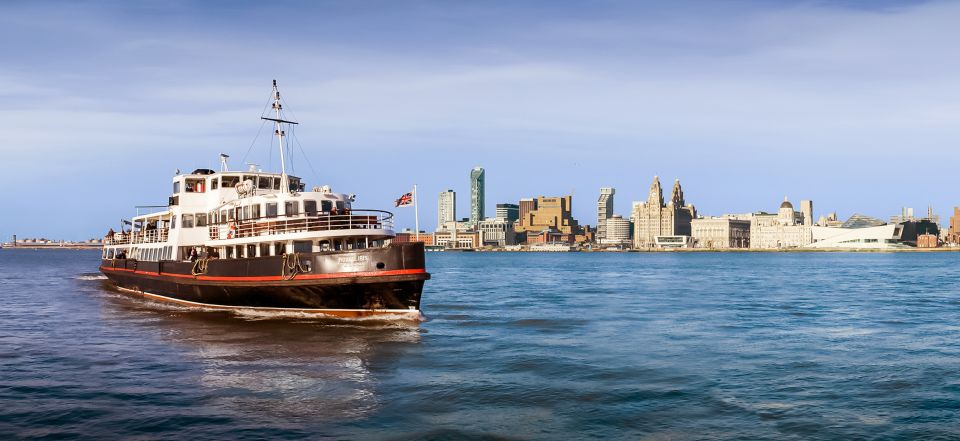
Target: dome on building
x: 786, y: 204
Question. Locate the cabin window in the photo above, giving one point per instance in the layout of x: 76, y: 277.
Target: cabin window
x: 110, y: 253
x: 246, y: 212
x: 255, y: 211
x: 230, y: 215
x: 223, y: 216
x: 310, y: 208
x: 187, y: 221
x: 173, y: 222
x: 201, y: 219
x: 302, y: 246
x: 276, y: 184
x: 230, y: 181
x: 264, y: 250
x: 176, y: 187
x: 252, y: 250
x: 271, y: 209
x: 291, y: 208
x: 195, y: 186
x: 340, y: 207
x: 294, y: 184
x: 265, y: 183
x: 228, y: 252
x: 214, y: 183
x: 325, y: 206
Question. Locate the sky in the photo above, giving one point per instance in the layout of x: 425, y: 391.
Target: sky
x: 853, y: 104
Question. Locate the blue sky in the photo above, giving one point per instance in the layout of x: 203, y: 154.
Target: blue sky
x: 855, y: 105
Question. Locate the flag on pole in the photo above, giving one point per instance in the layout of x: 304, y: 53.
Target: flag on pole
x: 405, y: 201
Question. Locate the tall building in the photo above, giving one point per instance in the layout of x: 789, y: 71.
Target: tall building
x: 604, y: 211
x: 477, y: 212
x: 446, y: 208
x: 954, y: 235
x: 508, y: 212
x: 806, y: 210
x: 654, y: 218
x: 548, y: 213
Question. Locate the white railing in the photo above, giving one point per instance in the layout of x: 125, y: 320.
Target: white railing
x: 145, y: 236
x: 356, y: 220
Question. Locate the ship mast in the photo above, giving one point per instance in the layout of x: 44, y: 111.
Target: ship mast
x: 277, y: 107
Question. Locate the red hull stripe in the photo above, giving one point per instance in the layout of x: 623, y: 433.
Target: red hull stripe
x: 277, y: 278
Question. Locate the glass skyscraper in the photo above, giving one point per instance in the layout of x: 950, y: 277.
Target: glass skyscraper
x: 476, y: 195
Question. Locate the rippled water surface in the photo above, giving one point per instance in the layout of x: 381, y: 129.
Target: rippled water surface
x: 516, y: 346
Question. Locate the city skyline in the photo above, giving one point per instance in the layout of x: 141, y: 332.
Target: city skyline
x: 850, y: 104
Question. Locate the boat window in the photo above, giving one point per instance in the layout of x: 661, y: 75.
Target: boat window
x: 339, y: 206
x: 291, y: 208
x: 230, y: 181
x: 228, y: 252
x: 265, y: 183
x: 214, y: 183
x: 255, y: 211
x: 294, y: 184
x: 176, y: 187
x: 187, y: 221
x: 264, y: 250
x: 230, y: 215
x: 276, y: 184
x: 302, y: 246
x: 246, y: 212
x: 201, y: 219
x: 271, y: 209
x: 110, y: 253
x: 325, y: 206
x: 251, y: 250
x: 173, y: 222
x: 310, y: 207
x: 195, y: 186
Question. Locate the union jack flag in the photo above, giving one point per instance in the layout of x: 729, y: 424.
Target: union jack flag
x: 405, y: 200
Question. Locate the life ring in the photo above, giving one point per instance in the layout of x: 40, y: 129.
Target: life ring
x: 232, y: 230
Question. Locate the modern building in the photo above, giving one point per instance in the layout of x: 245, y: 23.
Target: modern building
x: 888, y: 236
x: 509, y: 212
x: 477, y: 193
x: 548, y: 213
x: 604, y: 211
x: 786, y: 229
x: 655, y: 218
x: 618, y: 232
x: 497, y: 232
x: 720, y: 233
x: 446, y: 208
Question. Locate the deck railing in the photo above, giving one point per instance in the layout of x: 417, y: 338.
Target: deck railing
x: 356, y: 220
x: 136, y: 237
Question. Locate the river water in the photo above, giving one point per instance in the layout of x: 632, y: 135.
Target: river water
x: 515, y: 346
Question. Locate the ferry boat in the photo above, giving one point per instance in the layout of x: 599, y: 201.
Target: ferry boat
x: 254, y: 240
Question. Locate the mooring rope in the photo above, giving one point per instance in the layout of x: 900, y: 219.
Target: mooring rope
x: 291, y: 266
x: 199, y: 267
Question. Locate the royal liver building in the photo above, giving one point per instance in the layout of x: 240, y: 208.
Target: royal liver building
x: 654, y: 218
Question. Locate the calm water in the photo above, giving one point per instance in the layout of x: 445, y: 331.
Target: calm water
x: 516, y: 346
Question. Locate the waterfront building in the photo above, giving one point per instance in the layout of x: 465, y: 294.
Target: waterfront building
x: 446, y: 207
x: 458, y: 240
x: 410, y: 236
x: 477, y: 194
x: 720, y: 233
x: 655, y: 218
x: 618, y: 232
x: 604, y: 211
x: 878, y: 237
x: 509, y: 212
x: 928, y: 241
x: 786, y: 229
x: 548, y: 213
x: 497, y: 232
x: 806, y: 211
x: 861, y: 221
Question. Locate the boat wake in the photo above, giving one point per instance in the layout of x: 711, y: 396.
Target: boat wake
x: 91, y: 277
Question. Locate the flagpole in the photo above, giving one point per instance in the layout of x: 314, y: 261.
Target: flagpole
x: 416, y: 213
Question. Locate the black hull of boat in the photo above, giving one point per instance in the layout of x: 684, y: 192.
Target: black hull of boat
x: 354, y: 283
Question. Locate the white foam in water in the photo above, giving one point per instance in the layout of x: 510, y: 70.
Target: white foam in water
x: 92, y: 277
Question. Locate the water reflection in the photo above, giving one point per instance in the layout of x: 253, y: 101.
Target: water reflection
x: 278, y: 366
